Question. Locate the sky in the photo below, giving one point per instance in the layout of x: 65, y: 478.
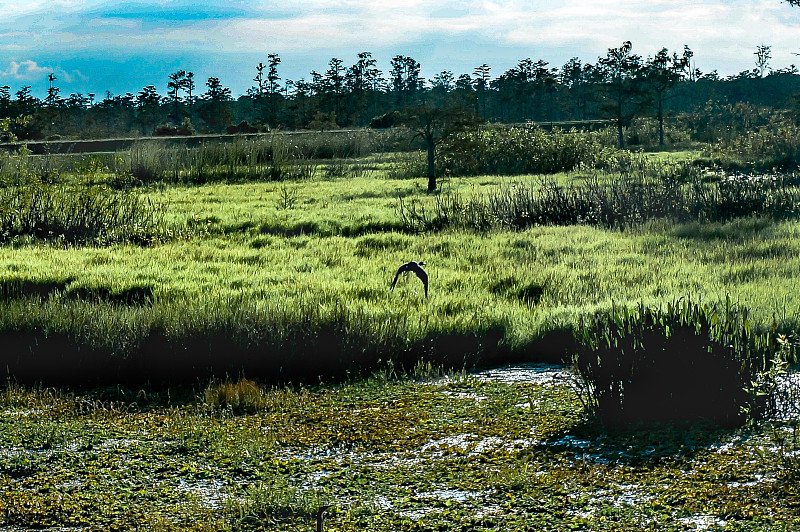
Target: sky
x: 94, y: 46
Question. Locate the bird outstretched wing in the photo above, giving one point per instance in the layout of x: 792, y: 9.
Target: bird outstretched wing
x: 403, y: 268
x: 415, y: 267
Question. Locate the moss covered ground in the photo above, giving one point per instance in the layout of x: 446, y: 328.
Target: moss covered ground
x: 460, y: 452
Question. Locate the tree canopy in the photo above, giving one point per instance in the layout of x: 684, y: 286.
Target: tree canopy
x: 619, y: 87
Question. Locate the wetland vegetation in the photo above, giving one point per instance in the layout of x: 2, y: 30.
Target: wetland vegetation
x: 204, y: 337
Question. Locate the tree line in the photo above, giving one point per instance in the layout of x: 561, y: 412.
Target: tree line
x: 617, y: 87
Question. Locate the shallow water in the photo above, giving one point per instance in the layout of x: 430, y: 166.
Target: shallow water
x: 467, y: 447
x: 532, y: 373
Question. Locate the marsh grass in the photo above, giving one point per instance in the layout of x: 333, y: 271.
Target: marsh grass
x: 294, y: 288
x: 290, y: 280
x: 103, y: 342
x: 272, y: 157
x: 632, y: 199
x: 79, y: 215
x: 275, y: 157
x: 277, y: 307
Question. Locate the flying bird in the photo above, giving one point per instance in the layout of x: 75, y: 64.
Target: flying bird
x: 415, y: 267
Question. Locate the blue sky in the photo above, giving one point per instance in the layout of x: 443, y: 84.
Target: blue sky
x: 97, y: 45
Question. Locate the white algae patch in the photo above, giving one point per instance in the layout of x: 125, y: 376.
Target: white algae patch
x: 208, y: 492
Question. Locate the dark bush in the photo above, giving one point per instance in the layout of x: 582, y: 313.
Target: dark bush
x: 689, y: 363
x: 521, y: 150
x: 171, y: 131
x: 622, y: 203
x: 243, y: 127
x: 385, y: 120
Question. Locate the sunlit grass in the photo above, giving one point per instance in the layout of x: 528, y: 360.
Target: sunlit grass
x: 530, y: 282
x: 273, y: 264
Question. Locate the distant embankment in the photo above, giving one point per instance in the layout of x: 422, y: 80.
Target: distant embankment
x: 43, y: 147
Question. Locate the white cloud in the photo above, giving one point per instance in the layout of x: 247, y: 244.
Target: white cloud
x: 723, y: 34
x: 26, y: 70
x: 29, y: 70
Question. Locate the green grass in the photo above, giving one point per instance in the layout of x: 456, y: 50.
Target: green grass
x: 260, y: 267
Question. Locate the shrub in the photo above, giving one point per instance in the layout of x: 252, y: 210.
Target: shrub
x: 521, y: 150
x: 22, y: 168
x: 777, y: 146
x: 168, y: 130
x: 683, y: 364
x: 643, y: 132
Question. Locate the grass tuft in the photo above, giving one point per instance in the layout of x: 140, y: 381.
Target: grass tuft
x: 242, y: 397
x: 93, y: 215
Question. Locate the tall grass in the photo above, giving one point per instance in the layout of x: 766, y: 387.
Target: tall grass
x: 630, y: 200
x: 243, y: 160
x: 70, y: 341
x: 338, y: 242
x: 276, y: 157
x: 292, y: 282
x: 79, y: 215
